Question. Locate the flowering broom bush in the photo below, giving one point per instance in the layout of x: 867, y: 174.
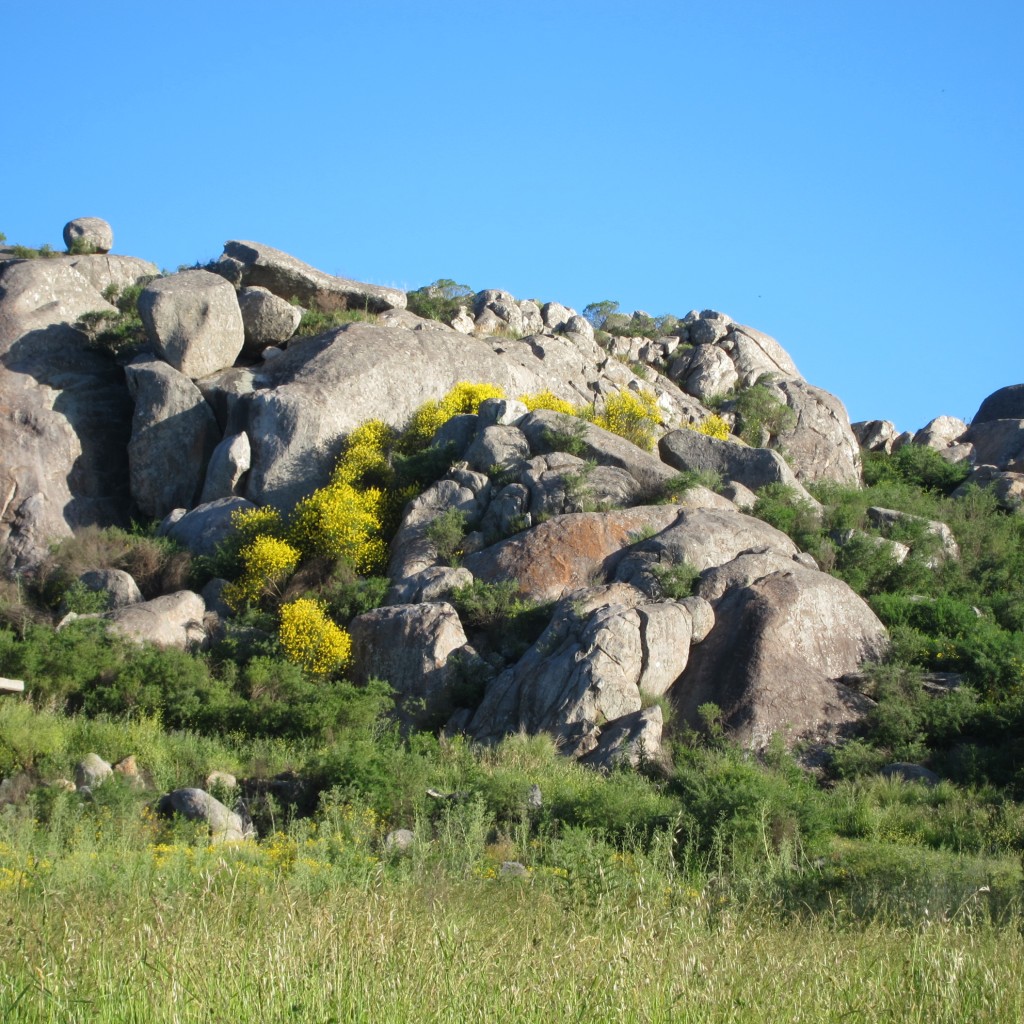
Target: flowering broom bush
x: 548, y: 400
x: 267, y: 562
x: 311, y: 640
x: 632, y: 415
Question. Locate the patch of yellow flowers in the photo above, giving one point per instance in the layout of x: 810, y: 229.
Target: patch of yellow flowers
x: 311, y: 639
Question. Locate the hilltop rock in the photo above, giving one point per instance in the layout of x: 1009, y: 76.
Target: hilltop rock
x: 875, y: 435
x: 1005, y: 404
x: 998, y: 443
x: 289, y: 278
x: 89, y: 233
x: 941, y: 432
x: 194, y: 321
x: 267, y: 319
x: 821, y: 445
x: 120, y: 272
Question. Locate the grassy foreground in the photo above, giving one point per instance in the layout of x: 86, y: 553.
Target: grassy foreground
x: 319, y: 925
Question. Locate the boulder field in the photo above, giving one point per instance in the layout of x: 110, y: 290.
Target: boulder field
x: 224, y: 406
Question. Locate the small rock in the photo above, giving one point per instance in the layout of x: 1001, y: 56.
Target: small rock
x: 92, y: 771
x: 910, y: 773
x: 513, y: 869
x: 399, y: 840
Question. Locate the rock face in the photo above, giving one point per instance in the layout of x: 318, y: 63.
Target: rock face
x: 64, y: 413
x: 410, y: 647
x: 203, y: 528
x: 268, y: 319
x: 290, y: 278
x: 194, y: 321
x: 772, y: 662
x: 90, y: 233
x: 173, y: 435
x: 821, y: 445
x: 1005, y: 404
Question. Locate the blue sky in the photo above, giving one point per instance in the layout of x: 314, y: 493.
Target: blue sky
x: 844, y: 176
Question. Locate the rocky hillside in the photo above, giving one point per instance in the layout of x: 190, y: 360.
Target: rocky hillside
x: 603, y: 483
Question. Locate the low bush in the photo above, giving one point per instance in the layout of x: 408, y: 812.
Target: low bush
x: 440, y: 300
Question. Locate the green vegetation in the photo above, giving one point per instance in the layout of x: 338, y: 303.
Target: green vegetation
x: 315, y: 322
x: 440, y: 300
x: 761, y: 414
x: 121, y: 333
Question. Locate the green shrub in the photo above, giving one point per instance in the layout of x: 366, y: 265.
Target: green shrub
x: 446, y: 532
x: 315, y: 321
x: 760, y: 411
x: 782, y: 507
x: 914, y: 464
x: 440, y: 300
x: 509, y: 621
x: 676, y: 581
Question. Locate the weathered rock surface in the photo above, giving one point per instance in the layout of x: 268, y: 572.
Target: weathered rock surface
x: 290, y: 278
x: 410, y: 646
x: 174, y: 433
x: 821, y: 445
x: 998, y: 443
x: 568, y: 553
x: 194, y: 321
x: 774, y: 657
x: 736, y: 463
x: 64, y: 413
x: 92, y: 771
x: 91, y: 233
x: 267, y: 318
x: 119, y: 586
x: 173, y: 620
x: 941, y: 432
x: 208, y: 525
x: 120, y: 271
x: 197, y: 805
x: 875, y: 435
x: 229, y: 462
x: 633, y: 739
x: 887, y: 518
x: 1005, y: 404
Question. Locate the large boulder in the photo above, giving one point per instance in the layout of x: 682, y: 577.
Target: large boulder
x: 410, y: 645
x: 1005, y: 404
x: 773, y: 661
x: 89, y: 234
x: 174, y: 433
x: 603, y: 650
x: 228, y: 465
x: 875, y: 435
x: 194, y: 321
x: 173, y: 620
x: 203, y: 529
x: 268, y: 319
x: 820, y: 445
x: 305, y: 401
x: 119, y: 586
x: 998, y: 443
x: 64, y: 413
x: 226, y: 826
x: 569, y: 552
x: 755, y: 354
x: 941, y: 432
x: 290, y: 278
x: 120, y: 272
x: 733, y: 461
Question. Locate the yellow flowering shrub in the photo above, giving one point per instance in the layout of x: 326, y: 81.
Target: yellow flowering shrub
x: 713, y: 426
x: 311, y: 639
x: 267, y: 562
x: 632, y: 415
x: 341, y: 521
x: 252, y: 522
x: 366, y: 452
x: 547, y: 400
x: 463, y: 398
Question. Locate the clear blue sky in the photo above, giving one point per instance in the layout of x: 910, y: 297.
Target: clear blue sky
x: 844, y: 176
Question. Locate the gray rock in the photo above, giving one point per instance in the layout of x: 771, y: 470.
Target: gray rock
x: 874, y: 435
x: 821, y: 445
x: 704, y: 372
x: 707, y: 332
x: 66, y: 415
x: 120, y: 588
x: 197, y: 805
x: 173, y: 620
x: 267, y: 319
x: 219, y: 778
x: 173, y: 435
x: 229, y: 462
x: 533, y: 319
x: 560, y: 483
x: 513, y: 869
x: 752, y: 467
x: 633, y: 739
x: 502, y: 412
x: 120, y: 271
x: 429, y: 585
x: 1005, y: 404
x: 887, y: 518
x: 998, y: 443
x: 555, y: 315
x: 290, y: 278
x: 194, y: 321
x: 754, y: 354
x: 941, y: 432
x: 543, y: 429
x: 410, y: 647
x: 89, y: 232
x: 507, y: 513
x: 774, y: 657
x: 399, y: 840
x: 92, y: 771
x: 498, y: 447
x: 12, y: 685
x: 206, y: 526
x: 578, y: 325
